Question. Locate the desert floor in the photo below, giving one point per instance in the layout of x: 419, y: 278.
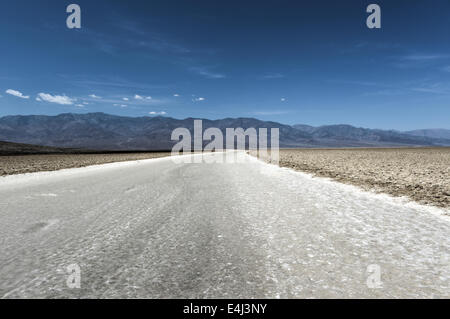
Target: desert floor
x: 11, y: 165
x: 422, y: 174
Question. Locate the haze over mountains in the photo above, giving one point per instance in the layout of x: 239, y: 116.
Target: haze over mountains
x: 434, y: 133
x: 102, y: 131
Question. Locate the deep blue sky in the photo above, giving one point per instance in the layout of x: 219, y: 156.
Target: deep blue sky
x: 312, y: 62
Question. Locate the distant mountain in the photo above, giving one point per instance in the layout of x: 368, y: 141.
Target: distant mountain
x: 109, y: 132
x: 350, y: 134
x: 305, y: 128
x: 433, y: 133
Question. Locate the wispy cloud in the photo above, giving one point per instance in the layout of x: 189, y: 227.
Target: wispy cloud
x: 424, y: 57
x: 108, y: 83
x: 358, y: 82
x: 198, y: 99
x: 269, y: 113
x: 58, y: 99
x: 407, y: 88
x: 207, y: 72
x: 157, y: 40
x: 388, y: 92
x: 158, y: 44
x: 135, y: 38
x: 151, y: 40
x: 377, y: 45
x: 94, y: 96
x: 271, y: 76
x: 420, y: 60
x: 433, y: 88
x: 370, y: 46
x: 17, y: 94
x: 399, y: 88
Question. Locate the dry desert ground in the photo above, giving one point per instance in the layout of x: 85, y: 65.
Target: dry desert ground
x: 11, y: 165
x: 422, y: 174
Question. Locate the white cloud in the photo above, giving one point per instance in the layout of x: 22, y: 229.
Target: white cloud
x: 58, y: 99
x: 126, y: 99
x: 79, y: 105
x: 85, y: 103
x: 17, y: 94
x: 283, y: 99
x: 38, y: 99
x: 198, y: 99
x: 157, y: 113
x: 123, y: 105
x: 176, y: 95
x: 94, y: 96
x: 139, y: 97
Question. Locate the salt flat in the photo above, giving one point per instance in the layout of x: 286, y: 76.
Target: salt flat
x: 157, y: 229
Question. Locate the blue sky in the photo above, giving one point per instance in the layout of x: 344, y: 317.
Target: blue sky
x: 311, y: 62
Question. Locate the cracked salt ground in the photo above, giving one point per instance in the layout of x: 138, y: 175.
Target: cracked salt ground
x: 214, y: 230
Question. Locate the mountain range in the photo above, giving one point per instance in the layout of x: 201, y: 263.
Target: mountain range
x: 433, y: 133
x: 102, y: 131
